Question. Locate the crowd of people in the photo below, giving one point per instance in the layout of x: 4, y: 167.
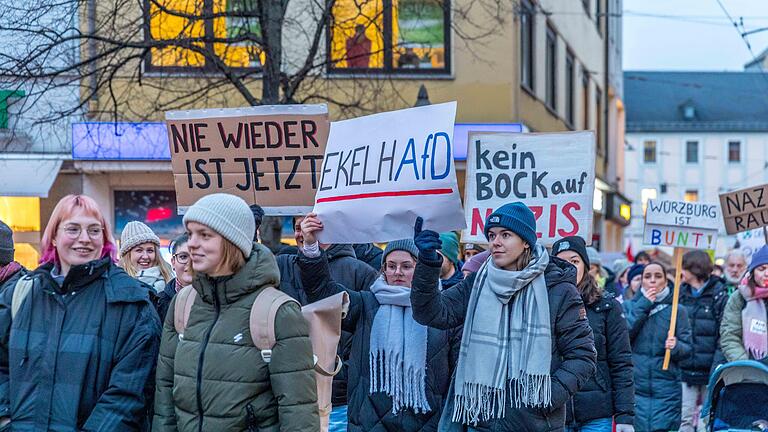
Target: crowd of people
x: 438, y: 336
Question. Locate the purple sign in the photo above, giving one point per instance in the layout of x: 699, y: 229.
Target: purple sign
x: 149, y: 141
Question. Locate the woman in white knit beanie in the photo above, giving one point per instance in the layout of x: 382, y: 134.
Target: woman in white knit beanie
x: 140, y: 256
x: 210, y: 375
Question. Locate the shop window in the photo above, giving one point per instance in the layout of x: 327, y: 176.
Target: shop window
x: 157, y: 209
x: 390, y: 36
x: 235, y: 23
x: 22, y: 215
x: 691, y: 196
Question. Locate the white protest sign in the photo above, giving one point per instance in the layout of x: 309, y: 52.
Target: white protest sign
x: 552, y: 173
x: 382, y: 171
x: 681, y: 224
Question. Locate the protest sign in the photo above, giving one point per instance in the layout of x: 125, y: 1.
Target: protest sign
x: 745, y: 209
x: 552, y: 173
x: 682, y: 225
x: 267, y: 155
x: 382, y: 171
x: 750, y: 242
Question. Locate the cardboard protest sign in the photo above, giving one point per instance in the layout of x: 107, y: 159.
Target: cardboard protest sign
x: 382, y: 171
x: 745, y: 209
x: 552, y: 173
x: 267, y: 155
x: 681, y: 224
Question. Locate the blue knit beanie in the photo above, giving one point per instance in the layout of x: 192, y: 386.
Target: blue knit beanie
x: 516, y: 217
x: 758, y: 258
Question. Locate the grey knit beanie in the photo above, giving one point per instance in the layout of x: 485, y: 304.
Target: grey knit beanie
x: 401, y: 245
x: 226, y: 214
x: 134, y: 234
x: 6, y: 244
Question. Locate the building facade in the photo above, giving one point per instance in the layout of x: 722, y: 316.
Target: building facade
x: 692, y: 136
x: 547, y: 66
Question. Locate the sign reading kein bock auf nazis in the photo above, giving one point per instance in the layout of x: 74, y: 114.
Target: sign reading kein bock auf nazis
x: 270, y: 155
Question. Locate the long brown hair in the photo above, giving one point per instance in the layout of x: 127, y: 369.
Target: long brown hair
x: 524, y: 259
x: 589, y: 289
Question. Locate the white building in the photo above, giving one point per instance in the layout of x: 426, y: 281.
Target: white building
x: 692, y: 136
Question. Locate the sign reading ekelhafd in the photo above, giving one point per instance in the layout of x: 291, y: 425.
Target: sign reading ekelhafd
x: 552, y: 173
x: 691, y: 225
x: 382, y: 171
x: 268, y: 155
x: 745, y: 209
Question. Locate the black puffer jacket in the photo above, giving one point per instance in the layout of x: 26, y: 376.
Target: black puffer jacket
x: 611, y: 391
x: 705, y: 311
x: 345, y: 269
x: 573, y: 348
x: 373, y: 412
x: 658, y: 394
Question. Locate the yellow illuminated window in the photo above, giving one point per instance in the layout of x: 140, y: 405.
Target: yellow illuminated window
x: 389, y: 35
x: 691, y: 196
x: 22, y: 214
x: 26, y: 255
x: 235, y: 27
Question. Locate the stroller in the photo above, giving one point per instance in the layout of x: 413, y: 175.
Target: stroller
x: 737, y: 398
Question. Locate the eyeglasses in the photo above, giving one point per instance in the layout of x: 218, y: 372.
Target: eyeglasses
x: 74, y: 231
x: 392, y: 268
x: 181, y: 257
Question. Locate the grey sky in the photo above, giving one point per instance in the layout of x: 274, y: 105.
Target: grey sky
x: 696, y: 36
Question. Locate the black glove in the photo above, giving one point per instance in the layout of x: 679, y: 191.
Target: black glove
x: 427, y: 241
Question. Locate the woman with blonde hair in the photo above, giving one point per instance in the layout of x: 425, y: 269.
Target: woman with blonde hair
x: 140, y: 256
x: 78, y: 336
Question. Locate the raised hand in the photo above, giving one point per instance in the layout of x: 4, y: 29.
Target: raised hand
x: 427, y: 241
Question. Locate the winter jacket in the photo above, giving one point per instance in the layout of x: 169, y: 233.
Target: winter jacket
x: 573, y: 348
x: 345, y: 270
x: 153, y: 278
x: 164, y: 298
x: 212, y: 378
x: 370, y: 254
x: 731, y: 336
x: 373, y: 412
x: 78, y: 356
x: 658, y: 393
x: 610, y: 392
x: 704, y: 312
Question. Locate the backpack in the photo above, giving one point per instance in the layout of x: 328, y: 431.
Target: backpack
x: 20, y: 292
x: 324, y: 319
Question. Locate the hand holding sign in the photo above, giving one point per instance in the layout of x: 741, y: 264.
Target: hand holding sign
x: 427, y: 241
x: 310, y: 226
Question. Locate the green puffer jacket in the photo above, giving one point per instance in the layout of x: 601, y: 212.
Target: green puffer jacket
x: 214, y: 379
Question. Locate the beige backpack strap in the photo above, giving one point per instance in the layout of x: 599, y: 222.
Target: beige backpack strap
x: 182, y: 308
x: 21, y: 291
x: 262, y: 319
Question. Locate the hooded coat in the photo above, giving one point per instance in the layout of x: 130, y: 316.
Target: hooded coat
x: 212, y: 378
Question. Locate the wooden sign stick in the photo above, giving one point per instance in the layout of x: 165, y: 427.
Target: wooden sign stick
x: 675, y: 298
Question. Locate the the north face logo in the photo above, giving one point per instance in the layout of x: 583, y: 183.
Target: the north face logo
x: 494, y: 219
x: 563, y: 246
